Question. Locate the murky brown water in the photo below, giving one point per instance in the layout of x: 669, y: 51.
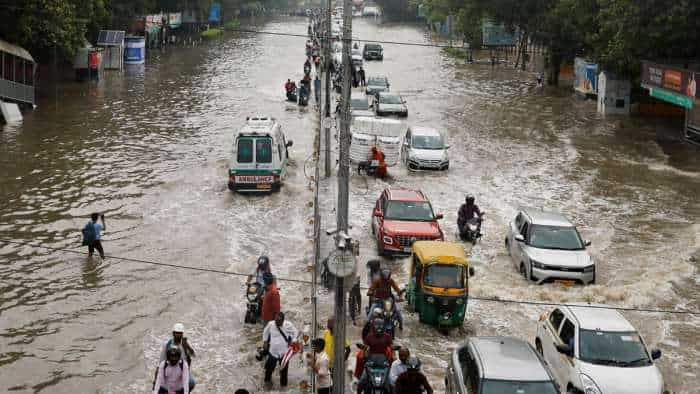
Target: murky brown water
x: 150, y: 148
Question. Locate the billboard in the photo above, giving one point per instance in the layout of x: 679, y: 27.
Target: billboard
x: 175, y: 19
x: 215, y: 13
x: 673, y: 84
x: 496, y: 35
x: 585, y: 76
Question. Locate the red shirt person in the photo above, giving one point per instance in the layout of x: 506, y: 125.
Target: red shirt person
x: 271, y: 304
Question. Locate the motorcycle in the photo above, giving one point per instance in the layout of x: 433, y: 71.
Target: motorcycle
x: 389, y: 314
x: 472, y: 230
x: 376, y: 371
x: 292, y: 95
x: 254, y: 292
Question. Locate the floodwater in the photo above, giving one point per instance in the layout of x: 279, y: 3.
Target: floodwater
x: 149, y: 147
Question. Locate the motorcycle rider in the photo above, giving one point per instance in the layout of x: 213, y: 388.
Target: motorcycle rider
x: 376, y: 343
x: 380, y: 290
x: 260, y: 270
x: 373, y: 271
x: 468, y: 211
x: 368, y: 328
x: 413, y: 381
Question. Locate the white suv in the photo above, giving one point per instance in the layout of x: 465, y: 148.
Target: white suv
x: 545, y: 246
x: 597, y: 351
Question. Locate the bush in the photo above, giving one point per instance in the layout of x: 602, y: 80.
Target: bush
x: 459, y: 53
x: 233, y: 24
x: 211, y: 33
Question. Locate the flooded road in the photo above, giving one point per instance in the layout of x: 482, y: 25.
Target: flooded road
x: 150, y: 148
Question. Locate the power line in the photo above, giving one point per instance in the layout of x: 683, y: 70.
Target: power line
x: 323, y: 37
x: 477, y: 298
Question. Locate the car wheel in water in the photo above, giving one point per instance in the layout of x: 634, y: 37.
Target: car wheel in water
x: 572, y: 390
x: 521, y: 269
x: 529, y: 274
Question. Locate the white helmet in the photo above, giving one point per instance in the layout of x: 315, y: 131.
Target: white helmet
x: 178, y: 327
x: 377, y: 311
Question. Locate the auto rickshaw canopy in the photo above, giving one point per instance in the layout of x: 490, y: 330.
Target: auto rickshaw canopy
x: 434, y: 252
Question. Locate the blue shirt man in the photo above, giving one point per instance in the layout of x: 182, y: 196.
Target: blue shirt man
x: 93, y: 231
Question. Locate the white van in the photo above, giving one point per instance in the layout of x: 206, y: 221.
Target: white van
x: 260, y: 156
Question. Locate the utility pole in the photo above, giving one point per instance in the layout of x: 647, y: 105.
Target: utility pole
x: 343, y: 201
x: 327, y: 117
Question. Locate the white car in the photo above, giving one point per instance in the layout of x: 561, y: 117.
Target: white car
x: 425, y: 148
x: 545, y: 246
x: 597, y: 351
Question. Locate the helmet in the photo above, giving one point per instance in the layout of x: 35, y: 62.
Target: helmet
x: 413, y: 363
x: 373, y: 265
x: 469, y: 199
x: 376, y: 312
x: 263, y: 260
x: 378, y: 325
x: 386, y: 274
x: 178, y: 327
x: 173, y: 352
x: 268, y: 278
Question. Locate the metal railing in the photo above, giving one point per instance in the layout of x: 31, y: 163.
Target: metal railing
x: 16, y: 91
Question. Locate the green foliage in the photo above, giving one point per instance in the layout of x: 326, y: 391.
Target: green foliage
x: 616, y: 33
x: 211, y: 33
x: 398, y: 9
x: 233, y: 24
x: 459, y: 53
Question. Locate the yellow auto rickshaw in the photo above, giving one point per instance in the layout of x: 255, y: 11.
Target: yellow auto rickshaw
x: 439, y: 286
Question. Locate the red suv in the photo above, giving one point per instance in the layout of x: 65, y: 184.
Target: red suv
x: 402, y: 216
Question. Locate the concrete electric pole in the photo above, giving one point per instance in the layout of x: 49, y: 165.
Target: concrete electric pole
x: 343, y: 201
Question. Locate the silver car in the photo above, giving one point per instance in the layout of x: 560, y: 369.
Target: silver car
x: 425, y: 148
x: 390, y: 104
x: 497, y: 365
x: 545, y: 246
x: 359, y: 106
x: 376, y: 84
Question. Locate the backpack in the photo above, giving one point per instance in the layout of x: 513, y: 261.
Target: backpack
x: 89, y: 234
x: 166, y: 366
x: 184, y: 349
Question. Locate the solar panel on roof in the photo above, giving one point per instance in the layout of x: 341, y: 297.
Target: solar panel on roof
x: 110, y: 37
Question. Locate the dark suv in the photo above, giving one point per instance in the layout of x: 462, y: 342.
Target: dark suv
x: 485, y: 365
x: 373, y: 52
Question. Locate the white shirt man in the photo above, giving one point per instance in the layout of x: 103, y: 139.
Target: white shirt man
x: 273, y: 334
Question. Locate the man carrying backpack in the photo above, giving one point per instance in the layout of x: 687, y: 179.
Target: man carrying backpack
x: 92, y: 234
x: 173, y: 374
x: 179, y: 341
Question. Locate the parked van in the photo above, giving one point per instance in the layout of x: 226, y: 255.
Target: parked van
x: 260, y: 156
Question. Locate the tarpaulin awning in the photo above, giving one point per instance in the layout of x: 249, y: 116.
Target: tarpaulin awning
x: 16, y: 50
